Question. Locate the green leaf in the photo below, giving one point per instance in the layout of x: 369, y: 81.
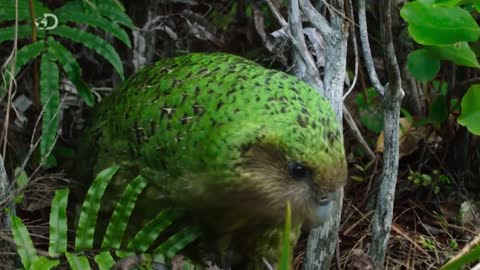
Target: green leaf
x: 8, y: 32
x: 460, y: 53
x: 104, y: 260
x: 77, y: 262
x: 147, y: 235
x: 28, y: 53
x: 453, y: 3
x: 115, y: 15
x: 95, y: 21
x: 178, y: 241
x: 369, y: 108
x: 7, y: 10
x: 24, y: 243
x: 44, y: 263
x: 286, y: 257
x: 90, y: 207
x: 432, y: 25
x: 58, y: 223
x: 470, y: 256
x: 438, y: 109
x: 123, y: 210
x: 422, y: 65
x: 72, y: 69
x: 21, y: 179
x: 93, y: 42
x: 470, y: 110
x: 50, y: 99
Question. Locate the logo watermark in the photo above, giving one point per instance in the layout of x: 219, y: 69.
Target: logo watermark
x: 47, y: 22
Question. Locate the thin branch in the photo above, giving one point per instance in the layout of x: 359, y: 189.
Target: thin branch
x: 355, y: 49
x: 283, y: 23
x: 36, y: 64
x: 357, y: 133
x: 305, y: 67
x: 382, y: 220
x: 367, y: 53
x: 393, y: 70
x: 316, y: 18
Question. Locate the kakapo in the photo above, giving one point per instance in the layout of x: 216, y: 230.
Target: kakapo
x: 227, y: 141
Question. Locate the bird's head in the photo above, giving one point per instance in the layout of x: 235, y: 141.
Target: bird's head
x: 287, y: 162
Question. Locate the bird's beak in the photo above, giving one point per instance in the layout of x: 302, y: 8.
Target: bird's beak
x: 322, y: 210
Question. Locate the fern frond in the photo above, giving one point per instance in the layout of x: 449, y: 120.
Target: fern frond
x: 50, y: 99
x: 25, y: 248
x: 7, y: 10
x: 147, y: 235
x: 58, y: 223
x: 28, y: 53
x: 123, y: 210
x: 178, y: 241
x: 95, y: 21
x: 72, y: 69
x: 44, y: 263
x: 115, y: 15
x: 8, y: 33
x: 77, y: 261
x: 93, y: 42
x: 104, y: 260
x: 90, y: 207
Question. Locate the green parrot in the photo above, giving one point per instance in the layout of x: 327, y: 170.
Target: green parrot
x: 228, y: 141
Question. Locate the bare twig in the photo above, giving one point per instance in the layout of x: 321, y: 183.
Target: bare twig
x: 305, y: 65
x: 382, y: 220
x: 4, y: 182
x: 357, y: 133
x: 316, y: 18
x: 355, y: 49
x: 367, y: 53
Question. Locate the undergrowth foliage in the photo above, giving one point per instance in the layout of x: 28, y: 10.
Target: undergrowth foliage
x: 106, y: 256
x: 107, y: 15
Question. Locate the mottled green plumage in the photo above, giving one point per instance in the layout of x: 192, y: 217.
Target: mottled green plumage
x: 214, y: 134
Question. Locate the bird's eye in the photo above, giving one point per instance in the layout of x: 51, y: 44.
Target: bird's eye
x: 297, y: 170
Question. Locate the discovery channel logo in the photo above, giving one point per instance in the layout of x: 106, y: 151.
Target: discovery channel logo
x: 47, y: 22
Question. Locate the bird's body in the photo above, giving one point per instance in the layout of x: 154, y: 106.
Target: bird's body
x: 227, y: 140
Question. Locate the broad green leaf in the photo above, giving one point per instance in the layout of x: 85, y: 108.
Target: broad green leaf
x: 466, y: 258
x: 286, y: 257
x: 460, y: 53
x: 147, y: 235
x: 470, y: 110
x: 90, y: 207
x: 58, y: 223
x: 50, y: 99
x: 422, y: 65
x: 93, y: 42
x: 104, y: 260
x: 95, y: 21
x: 432, y: 25
x: 178, y: 241
x: 123, y: 210
x: 72, y: 69
x: 77, y: 262
x: 44, y: 263
x: 7, y: 10
x: 24, y: 243
x: 8, y: 32
x: 453, y: 3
